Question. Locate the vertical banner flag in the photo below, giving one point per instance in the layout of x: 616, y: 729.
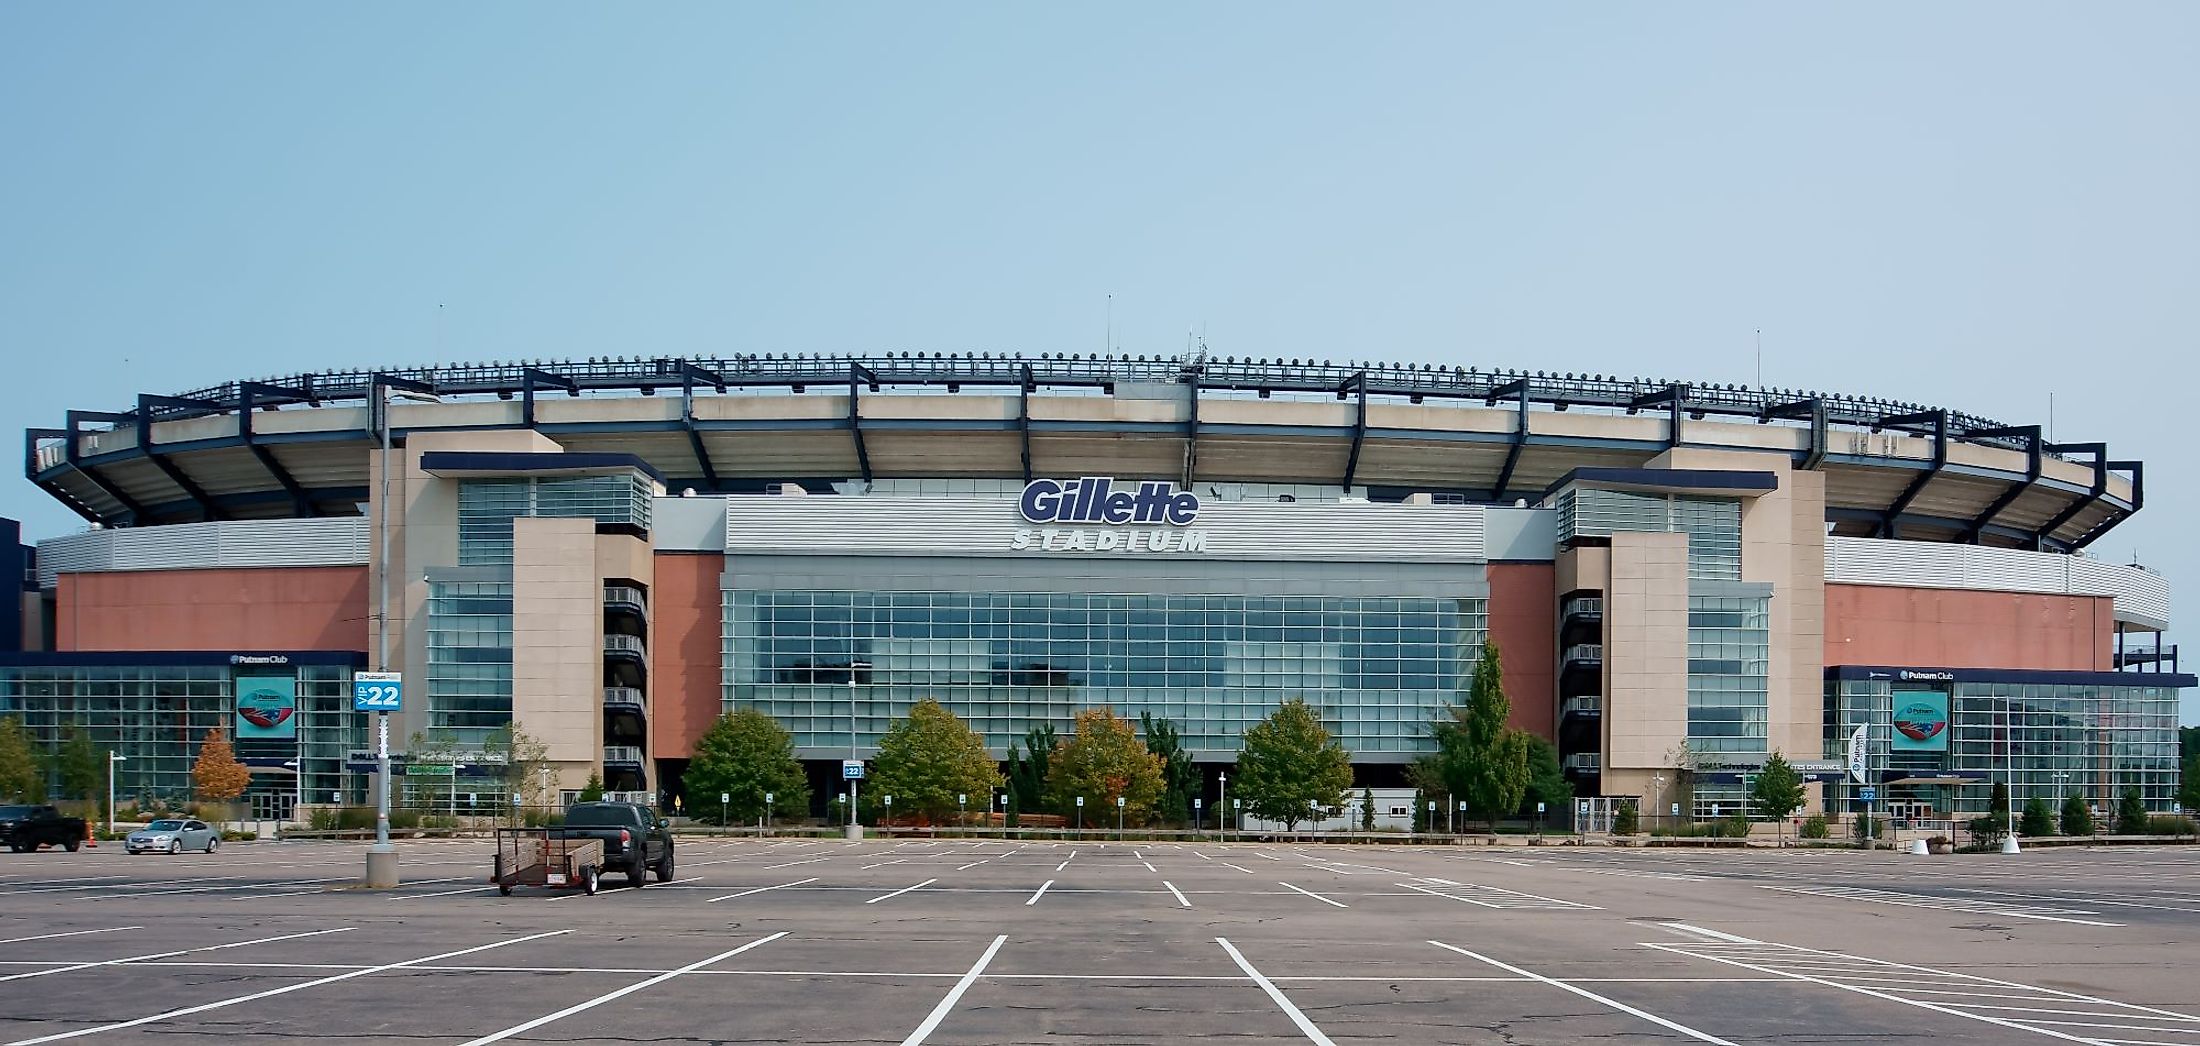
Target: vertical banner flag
x: 267, y: 707
x: 1856, y: 752
x: 1920, y: 720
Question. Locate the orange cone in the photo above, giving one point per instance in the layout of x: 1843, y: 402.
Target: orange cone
x: 91, y: 839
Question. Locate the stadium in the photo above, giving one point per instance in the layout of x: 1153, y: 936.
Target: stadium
x: 1682, y: 578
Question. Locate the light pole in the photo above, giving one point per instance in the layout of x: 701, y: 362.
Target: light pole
x: 855, y: 830
x: 112, y: 759
x: 2009, y: 773
x: 297, y: 788
x: 1657, y: 798
x: 1222, y: 805
x: 455, y: 768
x: 382, y: 856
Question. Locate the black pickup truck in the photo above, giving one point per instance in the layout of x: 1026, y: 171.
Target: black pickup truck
x: 635, y: 839
x: 26, y: 828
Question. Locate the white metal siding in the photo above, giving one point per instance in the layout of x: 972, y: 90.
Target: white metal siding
x: 241, y: 543
x: 2140, y: 597
x: 891, y: 526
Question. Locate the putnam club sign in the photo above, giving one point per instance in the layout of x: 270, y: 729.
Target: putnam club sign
x: 1094, y: 514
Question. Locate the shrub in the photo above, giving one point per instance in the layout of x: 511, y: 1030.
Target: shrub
x: 1735, y: 826
x: 2077, y: 818
x: 355, y: 817
x: 2038, y: 820
x: 2169, y: 824
x: 323, y: 819
x: 398, y: 819
x: 1624, y: 821
x: 1814, y: 826
x: 1866, y: 826
x: 2131, y: 813
x: 233, y: 835
x: 1986, y: 832
x: 540, y: 818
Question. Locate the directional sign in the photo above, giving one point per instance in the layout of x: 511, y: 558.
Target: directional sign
x: 1867, y: 794
x: 851, y: 769
x: 377, y: 691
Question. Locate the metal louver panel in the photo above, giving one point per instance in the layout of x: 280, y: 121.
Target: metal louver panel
x: 240, y: 543
x: 2140, y: 596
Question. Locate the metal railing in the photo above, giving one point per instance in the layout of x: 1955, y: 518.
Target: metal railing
x: 617, y: 643
x: 1590, y: 762
x: 623, y: 697
x: 623, y: 594
x: 1584, y: 606
x: 1585, y: 705
x: 622, y: 754
x: 1584, y: 652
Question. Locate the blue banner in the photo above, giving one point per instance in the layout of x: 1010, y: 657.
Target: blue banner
x: 1920, y: 720
x: 267, y: 707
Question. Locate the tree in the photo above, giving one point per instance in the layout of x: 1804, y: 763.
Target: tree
x: 83, y: 765
x: 522, y: 765
x: 1179, y: 781
x: 2131, y: 813
x: 1777, y: 791
x: 21, y: 778
x: 1625, y: 821
x: 1367, y: 809
x: 1027, y: 769
x: 2039, y: 818
x: 218, y: 776
x: 744, y: 755
x: 929, y: 757
x: 592, y: 790
x: 1483, y: 762
x: 1426, y: 775
x: 2077, y: 818
x: 1290, y: 769
x: 1547, y: 783
x: 1104, y: 759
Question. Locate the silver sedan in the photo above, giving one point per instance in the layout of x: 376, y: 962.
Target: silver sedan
x: 173, y: 836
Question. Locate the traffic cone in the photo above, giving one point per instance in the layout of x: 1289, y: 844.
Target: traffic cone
x: 91, y: 838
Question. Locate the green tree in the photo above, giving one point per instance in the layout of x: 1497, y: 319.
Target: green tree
x: 592, y: 789
x: 1997, y: 806
x: 2131, y: 813
x: 929, y: 757
x: 1102, y: 760
x: 522, y: 765
x: 1426, y: 775
x: 1027, y: 770
x: 744, y: 755
x: 1625, y: 821
x: 1777, y: 791
x: 1484, y: 763
x: 1367, y: 809
x: 1547, y: 783
x: 1290, y: 769
x: 1179, y: 781
x: 2039, y: 818
x: 22, y: 779
x: 83, y: 765
x: 2077, y: 818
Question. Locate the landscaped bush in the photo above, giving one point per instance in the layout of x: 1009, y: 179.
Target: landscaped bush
x: 237, y: 835
x: 1814, y: 826
x: 1625, y: 822
x: 1986, y: 832
x: 2170, y: 824
x: 1735, y: 826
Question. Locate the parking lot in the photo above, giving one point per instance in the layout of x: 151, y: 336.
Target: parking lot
x: 968, y: 941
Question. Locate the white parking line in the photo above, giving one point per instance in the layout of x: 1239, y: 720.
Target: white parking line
x: 619, y: 994
x: 1306, y: 1026
x: 761, y: 889
x: 971, y: 865
x: 441, y: 893
x: 1066, y: 860
x: 939, y: 1013
x: 1239, y: 867
x: 1314, y: 895
x: 164, y: 955
x: 71, y: 933
x: 790, y: 864
x: 1042, y: 892
x: 1257, y: 853
x: 903, y: 890
x: 284, y: 990
x: 1590, y: 995
x: 1179, y: 893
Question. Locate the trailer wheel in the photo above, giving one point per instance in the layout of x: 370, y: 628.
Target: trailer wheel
x: 589, y: 880
x: 505, y: 889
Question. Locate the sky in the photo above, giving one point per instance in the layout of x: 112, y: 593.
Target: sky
x: 1975, y: 205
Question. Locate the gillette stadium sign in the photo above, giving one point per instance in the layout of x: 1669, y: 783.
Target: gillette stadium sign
x: 1094, y: 514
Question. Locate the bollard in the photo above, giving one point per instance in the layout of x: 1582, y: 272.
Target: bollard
x: 1917, y: 847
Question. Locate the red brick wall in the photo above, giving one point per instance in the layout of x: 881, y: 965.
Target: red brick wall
x: 1524, y: 623
x: 685, y: 622
x: 1947, y: 628
x: 268, y: 608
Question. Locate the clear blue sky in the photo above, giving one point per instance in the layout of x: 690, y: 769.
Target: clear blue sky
x: 1967, y: 204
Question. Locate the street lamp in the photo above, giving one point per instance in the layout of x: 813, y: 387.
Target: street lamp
x: 455, y: 768
x: 1657, y: 798
x: 2009, y: 773
x: 297, y: 791
x: 382, y: 856
x: 1222, y: 803
x: 855, y: 831
x: 112, y: 759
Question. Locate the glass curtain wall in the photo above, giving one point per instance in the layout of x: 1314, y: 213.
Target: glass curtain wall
x: 1378, y: 668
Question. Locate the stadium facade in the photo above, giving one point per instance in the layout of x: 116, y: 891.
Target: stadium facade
x: 1681, y: 578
